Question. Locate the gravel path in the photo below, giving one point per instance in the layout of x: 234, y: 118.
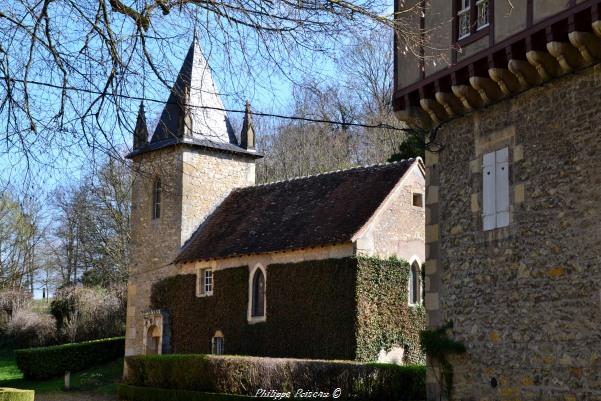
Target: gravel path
x: 73, y: 396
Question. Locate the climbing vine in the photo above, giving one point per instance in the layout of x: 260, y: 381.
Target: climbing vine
x: 438, y: 346
x: 384, y: 318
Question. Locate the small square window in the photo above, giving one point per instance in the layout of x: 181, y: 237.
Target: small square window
x: 418, y: 200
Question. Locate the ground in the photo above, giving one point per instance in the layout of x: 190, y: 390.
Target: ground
x: 96, y: 384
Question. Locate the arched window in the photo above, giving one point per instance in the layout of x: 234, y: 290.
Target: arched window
x: 217, y: 343
x: 258, y: 294
x: 414, y: 288
x: 156, y: 199
x: 153, y: 339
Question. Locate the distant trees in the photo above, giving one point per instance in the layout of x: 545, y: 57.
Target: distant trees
x: 20, y: 234
x: 77, y: 234
x: 89, y: 241
x: 362, y: 95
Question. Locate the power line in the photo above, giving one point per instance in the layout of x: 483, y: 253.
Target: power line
x: 255, y: 113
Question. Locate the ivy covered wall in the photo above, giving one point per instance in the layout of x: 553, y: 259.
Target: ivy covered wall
x: 329, y: 309
x: 384, y: 318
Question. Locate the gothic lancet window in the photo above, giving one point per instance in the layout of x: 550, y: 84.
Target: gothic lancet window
x: 258, y: 294
x: 156, y: 199
x: 414, y: 287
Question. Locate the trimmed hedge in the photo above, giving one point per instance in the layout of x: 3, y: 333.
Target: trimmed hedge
x: 134, y: 393
x: 48, y: 362
x: 247, y: 375
x: 15, y: 394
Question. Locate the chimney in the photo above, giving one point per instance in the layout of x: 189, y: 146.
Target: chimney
x: 247, y: 137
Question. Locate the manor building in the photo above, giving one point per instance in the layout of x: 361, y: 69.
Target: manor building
x: 309, y: 267
x: 513, y: 237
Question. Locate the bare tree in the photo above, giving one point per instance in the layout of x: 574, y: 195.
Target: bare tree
x: 72, y: 72
x: 363, y: 94
x: 20, y: 233
x: 90, y: 238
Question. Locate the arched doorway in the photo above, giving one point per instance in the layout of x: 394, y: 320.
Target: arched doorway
x: 153, y: 339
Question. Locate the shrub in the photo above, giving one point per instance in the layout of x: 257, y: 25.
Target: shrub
x: 15, y: 394
x: 10, y: 302
x: 133, y: 393
x: 47, y: 362
x: 31, y: 329
x: 85, y: 313
x: 246, y: 375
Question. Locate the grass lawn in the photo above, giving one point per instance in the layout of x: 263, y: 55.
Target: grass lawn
x: 101, y: 380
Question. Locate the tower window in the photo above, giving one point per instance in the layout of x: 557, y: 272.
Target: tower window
x: 156, y: 199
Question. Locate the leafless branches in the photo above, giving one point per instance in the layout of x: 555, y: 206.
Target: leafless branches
x: 107, y: 48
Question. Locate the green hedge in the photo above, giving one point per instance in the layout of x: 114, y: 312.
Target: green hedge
x: 15, y: 394
x: 47, y: 362
x: 247, y: 375
x: 134, y: 393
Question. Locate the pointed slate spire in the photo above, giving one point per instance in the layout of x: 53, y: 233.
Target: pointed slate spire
x: 194, y: 111
x: 141, y: 130
x: 247, y: 136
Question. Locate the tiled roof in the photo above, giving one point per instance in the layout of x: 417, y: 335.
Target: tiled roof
x: 195, y: 97
x: 299, y: 213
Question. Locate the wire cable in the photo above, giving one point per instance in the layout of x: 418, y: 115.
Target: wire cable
x: 255, y: 113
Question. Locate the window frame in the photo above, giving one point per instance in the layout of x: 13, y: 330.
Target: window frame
x: 201, y: 282
x: 475, y: 31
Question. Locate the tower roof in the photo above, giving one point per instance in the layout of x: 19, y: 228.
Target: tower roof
x: 194, y: 113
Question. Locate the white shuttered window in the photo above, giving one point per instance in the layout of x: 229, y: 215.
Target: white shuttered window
x: 495, y: 180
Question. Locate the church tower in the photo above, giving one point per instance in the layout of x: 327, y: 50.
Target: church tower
x: 192, y: 162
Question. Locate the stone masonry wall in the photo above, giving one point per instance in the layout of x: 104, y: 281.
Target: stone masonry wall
x: 153, y: 242
x: 526, y: 299
x: 398, y: 229
x: 194, y: 181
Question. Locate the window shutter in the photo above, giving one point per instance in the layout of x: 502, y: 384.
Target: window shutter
x: 502, y: 187
x: 198, y: 282
x: 488, y: 191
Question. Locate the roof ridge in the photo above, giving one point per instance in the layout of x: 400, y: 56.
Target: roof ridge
x: 303, y: 177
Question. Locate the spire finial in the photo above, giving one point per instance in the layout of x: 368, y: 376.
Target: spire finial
x: 247, y: 136
x: 141, y: 130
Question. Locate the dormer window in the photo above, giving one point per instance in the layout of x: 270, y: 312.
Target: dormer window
x: 473, y: 16
x: 156, y: 199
